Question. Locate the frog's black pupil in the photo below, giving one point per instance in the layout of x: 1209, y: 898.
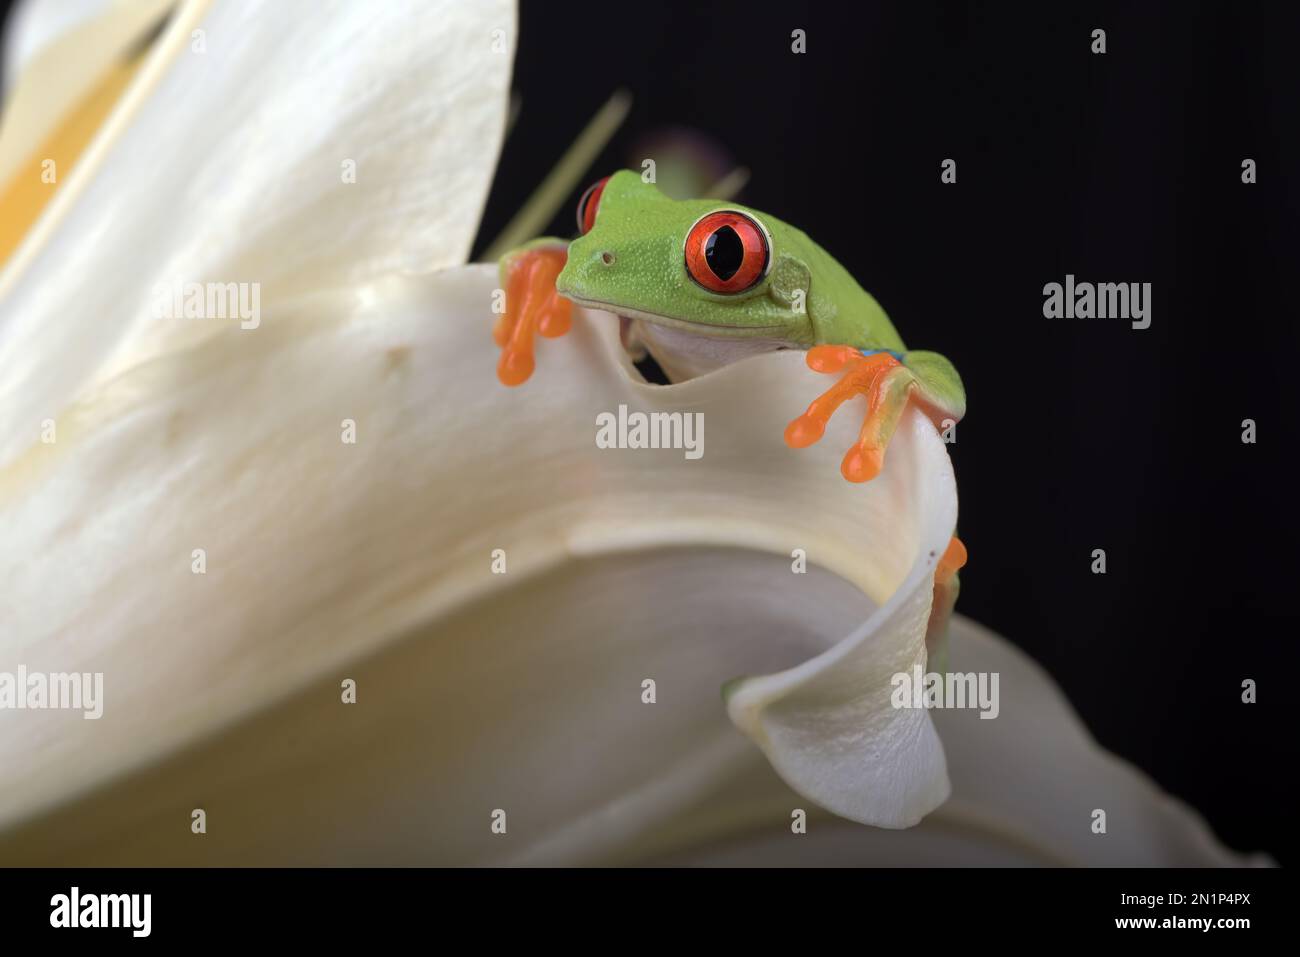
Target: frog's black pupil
x: 724, y: 252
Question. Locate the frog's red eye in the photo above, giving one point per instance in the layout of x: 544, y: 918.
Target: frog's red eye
x: 727, y: 252
x: 588, y: 204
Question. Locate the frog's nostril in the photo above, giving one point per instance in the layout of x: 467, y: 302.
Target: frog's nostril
x: 607, y: 258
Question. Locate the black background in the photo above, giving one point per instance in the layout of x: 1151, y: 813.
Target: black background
x: 1081, y: 434
x: 357, y: 907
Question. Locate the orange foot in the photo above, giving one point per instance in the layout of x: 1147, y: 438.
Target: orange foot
x: 885, y: 382
x: 950, y: 563
x: 946, y: 587
x: 532, y: 305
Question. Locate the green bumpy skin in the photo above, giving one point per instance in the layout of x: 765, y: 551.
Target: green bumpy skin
x: 632, y: 263
x: 703, y: 283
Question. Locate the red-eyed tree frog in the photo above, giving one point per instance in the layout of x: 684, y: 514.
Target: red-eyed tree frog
x: 701, y: 283
x: 704, y: 282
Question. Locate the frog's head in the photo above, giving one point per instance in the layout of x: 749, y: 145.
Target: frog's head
x: 714, y: 267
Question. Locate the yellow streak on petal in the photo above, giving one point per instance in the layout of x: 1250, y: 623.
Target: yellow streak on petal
x: 25, y: 195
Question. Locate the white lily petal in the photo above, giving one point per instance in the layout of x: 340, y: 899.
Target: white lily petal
x: 321, y: 554
x: 829, y: 726
x: 1036, y: 772
x: 527, y: 699
x: 1023, y: 789
x: 255, y: 191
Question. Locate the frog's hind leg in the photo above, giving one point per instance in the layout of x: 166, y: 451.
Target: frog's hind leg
x: 947, y: 585
x: 532, y: 306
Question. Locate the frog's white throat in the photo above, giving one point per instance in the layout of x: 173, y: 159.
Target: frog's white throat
x: 681, y: 349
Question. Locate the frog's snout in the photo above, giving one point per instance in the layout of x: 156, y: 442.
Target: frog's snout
x: 586, y: 271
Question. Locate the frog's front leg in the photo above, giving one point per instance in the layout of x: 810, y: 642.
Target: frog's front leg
x: 532, y: 305
x: 888, y: 380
